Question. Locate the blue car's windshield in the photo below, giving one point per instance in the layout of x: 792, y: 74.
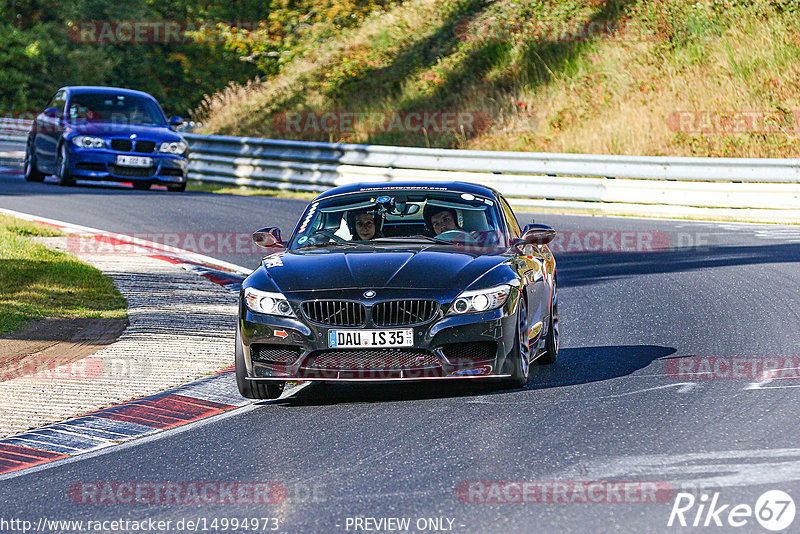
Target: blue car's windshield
x: 400, y: 218
x: 118, y: 109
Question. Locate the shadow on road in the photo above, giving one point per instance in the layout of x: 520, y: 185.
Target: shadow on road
x: 575, y: 366
x: 591, y: 268
x: 582, y: 365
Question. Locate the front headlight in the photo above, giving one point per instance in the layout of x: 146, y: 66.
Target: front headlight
x: 480, y: 300
x: 177, y: 147
x: 268, y: 303
x: 88, y: 141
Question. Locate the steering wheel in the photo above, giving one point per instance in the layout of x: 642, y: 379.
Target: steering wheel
x: 457, y: 235
x: 331, y: 235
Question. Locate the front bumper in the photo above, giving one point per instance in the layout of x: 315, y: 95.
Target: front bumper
x: 100, y: 165
x: 471, y: 346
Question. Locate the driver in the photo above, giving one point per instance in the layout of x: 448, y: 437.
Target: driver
x: 364, y: 225
x: 439, y: 219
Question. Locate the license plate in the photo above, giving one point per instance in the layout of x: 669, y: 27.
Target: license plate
x: 134, y: 161
x: 351, y: 339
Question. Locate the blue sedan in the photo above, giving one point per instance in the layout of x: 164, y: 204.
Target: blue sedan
x: 106, y: 134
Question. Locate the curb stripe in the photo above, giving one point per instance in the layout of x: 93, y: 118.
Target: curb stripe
x: 223, y: 278
x: 167, y: 411
x: 13, y: 457
x: 45, y: 445
x: 114, y: 430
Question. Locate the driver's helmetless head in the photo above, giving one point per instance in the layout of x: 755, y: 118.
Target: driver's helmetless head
x: 443, y: 221
x: 365, y: 225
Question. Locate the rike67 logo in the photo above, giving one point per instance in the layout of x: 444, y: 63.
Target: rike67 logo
x: 774, y: 510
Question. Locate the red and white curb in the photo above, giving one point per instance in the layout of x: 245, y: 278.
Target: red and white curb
x: 133, y: 419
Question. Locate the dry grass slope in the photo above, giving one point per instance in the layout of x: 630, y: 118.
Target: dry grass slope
x: 731, y: 66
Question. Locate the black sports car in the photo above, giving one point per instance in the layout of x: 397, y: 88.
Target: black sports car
x: 399, y: 281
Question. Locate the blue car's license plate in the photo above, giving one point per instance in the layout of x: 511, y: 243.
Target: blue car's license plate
x: 134, y: 161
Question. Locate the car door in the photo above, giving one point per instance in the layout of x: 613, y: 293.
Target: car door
x: 48, y: 132
x: 531, y: 264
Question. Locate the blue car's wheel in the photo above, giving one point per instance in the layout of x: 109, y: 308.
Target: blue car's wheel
x: 62, y: 167
x: 32, y: 173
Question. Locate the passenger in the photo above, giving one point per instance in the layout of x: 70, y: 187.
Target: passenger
x: 364, y: 225
x: 439, y: 219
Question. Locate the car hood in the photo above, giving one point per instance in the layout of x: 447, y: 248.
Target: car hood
x: 421, y: 269
x: 108, y: 129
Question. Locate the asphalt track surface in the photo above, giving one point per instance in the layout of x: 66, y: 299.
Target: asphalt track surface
x: 613, y: 408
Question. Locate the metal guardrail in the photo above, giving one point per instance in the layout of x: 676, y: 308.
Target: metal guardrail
x: 531, y: 179
x: 747, y: 189
x: 15, y: 130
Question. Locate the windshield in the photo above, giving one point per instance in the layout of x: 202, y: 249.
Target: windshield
x: 122, y: 109
x: 392, y: 218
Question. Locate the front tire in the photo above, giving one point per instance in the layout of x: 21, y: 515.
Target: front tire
x: 177, y: 188
x: 518, y: 357
x: 32, y: 173
x: 62, y: 167
x: 248, y: 388
x: 551, y: 343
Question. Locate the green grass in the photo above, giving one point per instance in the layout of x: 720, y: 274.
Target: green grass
x: 37, y: 282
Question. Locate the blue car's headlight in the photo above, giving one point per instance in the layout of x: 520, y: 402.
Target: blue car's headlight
x: 88, y: 141
x: 268, y: 303
x: 177, y: 147
x: 480, y: 300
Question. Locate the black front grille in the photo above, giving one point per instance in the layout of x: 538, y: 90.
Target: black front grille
x: 284, y: 354
x: 403, y: 312
x: 121, y: 145
x: 132, y: 172
x: 145, y: 147
x: 371, y: 359
x: 88, y: 166
x: 171, y: 171
x: 335, y: 312
x: 466, y: 353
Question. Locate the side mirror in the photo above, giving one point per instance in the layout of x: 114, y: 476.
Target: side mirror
x: 53, y: 113
x: 175, y: 122
x: 535, y: 234
x: 269, y: 237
